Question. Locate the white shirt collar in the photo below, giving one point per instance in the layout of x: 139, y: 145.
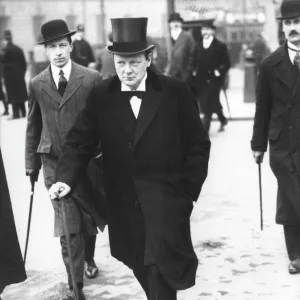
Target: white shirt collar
x: 141, y: 87
x: 207, y: 42
x: 292, y: 53
x: 66, y: 69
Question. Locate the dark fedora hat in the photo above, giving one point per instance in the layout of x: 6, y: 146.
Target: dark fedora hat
x: 175, y: 17
x: 54, y: 30
x: 208, y: 23
x: 289, y: 9
x: 129, y: 36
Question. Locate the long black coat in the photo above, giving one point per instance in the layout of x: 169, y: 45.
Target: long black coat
x: 205, y: 62
x: 11, y: 261
x: 14, y: 69
x: 277, y: 119
x: 154, y: 169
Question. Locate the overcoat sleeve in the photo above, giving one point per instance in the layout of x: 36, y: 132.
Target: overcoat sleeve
x: 259, y: 140
x: 196, y: 144
x: 33, y: 132
x: 80, y: 144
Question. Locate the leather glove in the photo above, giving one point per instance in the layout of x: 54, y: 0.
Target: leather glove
x: 33, y: 174
x: 258, y: 156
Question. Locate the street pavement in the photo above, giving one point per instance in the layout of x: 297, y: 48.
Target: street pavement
x: 236, y: 259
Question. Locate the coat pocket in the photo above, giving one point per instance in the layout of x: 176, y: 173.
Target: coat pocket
x: 274, y: 133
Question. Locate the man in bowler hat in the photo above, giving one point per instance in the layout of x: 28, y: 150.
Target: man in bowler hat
x: 277, y: 122
x: 183, y: 44
x: 57, y: 95
x: 155, y: 153
x: 210, y: 64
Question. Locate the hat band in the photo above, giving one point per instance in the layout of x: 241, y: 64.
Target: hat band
x: 129, y: 46
x: 55, y: 36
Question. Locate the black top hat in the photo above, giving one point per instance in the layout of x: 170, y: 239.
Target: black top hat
x: 54, y: 30
x: 289, y: 9
x: 175, y: 17
x: 129, y: 36
x: 208, y: 23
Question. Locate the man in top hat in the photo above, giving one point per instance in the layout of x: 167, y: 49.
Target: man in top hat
x: 82, y: 52
x: 277, y: 122
x: 57, y: 95
x: 155, y: 153
x: 14, y: 70
x: 211, y: 64
x: 183, y: 44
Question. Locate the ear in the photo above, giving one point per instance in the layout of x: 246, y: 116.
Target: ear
x: 149, y: 59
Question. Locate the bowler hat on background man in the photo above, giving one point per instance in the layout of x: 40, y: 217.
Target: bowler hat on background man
x: 175, y: 17
x: 289, y: 9
x: 54, y: 30
x: 208, y: 23
x: 129, y: 36
x: 7, y: 35
x: 80, y: 27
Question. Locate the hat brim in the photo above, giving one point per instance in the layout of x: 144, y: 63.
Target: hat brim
x: 288, y: 17
x: 57, y: 37
x: 112, y: 51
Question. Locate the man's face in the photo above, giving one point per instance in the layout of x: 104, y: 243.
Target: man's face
x: 207, y: 32
x: 175, y: 25
x: 131, y: 69
x: 291, y: 29
x: 58, y: 52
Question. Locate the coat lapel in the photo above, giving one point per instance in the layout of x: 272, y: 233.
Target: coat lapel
x: 149, y: 107
x: 49, y: 86
x: 73, y: 84
x: 282, y: 70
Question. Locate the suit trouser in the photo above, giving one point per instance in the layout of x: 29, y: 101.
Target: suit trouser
x: 19, y: 108
x: 207, y: 119
x: 292, y: 240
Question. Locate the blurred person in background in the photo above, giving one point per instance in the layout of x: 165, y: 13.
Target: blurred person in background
x: 82, y: 52
x: 57, y: 95
x: 210, y: 63
x: 14, y: 70
x: 277, y: 122
x: 11, y: 261
x: 2, y: 95
x: 179, y: 65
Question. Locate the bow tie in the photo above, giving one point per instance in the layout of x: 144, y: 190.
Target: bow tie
x: 130, y: 94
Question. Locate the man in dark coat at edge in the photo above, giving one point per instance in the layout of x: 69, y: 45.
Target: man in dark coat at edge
x: 14, y: 70
x: 211, y: 64
x: 277, y: 121
x: 155, y: 154
x: 11, y: 261
x: 82, y: 52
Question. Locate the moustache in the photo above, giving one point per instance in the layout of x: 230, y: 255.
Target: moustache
x: 293, y: 32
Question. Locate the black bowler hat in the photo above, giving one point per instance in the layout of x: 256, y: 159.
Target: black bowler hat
x: 208, y: 23
x: 7, y: 35
x: 54, y: 30
x: 175, y: 17
x: 289, y: 9
x: 129, y: 36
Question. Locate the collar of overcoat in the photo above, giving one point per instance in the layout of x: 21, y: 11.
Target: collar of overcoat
x: 73, y: 84
x: 280, y: 62
x: 150, y: 104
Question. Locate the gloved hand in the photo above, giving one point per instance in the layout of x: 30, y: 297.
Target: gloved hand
x: 33, y: 174
x: 58, y: 190
x: 258, y: 156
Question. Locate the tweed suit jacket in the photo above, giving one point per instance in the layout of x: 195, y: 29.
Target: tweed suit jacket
x: 50, y: 115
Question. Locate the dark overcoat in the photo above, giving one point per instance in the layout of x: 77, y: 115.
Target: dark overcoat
x: 14, y: 69
x: 277, y: 120
x: 11, y: 261
x: 179, y: 65
x: 49, y: 119
x: 154, y: 169
x: 205, y: 62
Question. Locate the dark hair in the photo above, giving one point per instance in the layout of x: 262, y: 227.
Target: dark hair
x: 69, y: 39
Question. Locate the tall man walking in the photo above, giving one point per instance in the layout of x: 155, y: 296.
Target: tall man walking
x: 211, y: 64
x: 57, y: 95
x: 277, y: 121
x: 155, y: 153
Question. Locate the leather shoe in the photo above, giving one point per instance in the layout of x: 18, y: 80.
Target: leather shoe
x: 91, y: 270
x: 71, y: 296
x: 294, y: 266
x: 223, y: 124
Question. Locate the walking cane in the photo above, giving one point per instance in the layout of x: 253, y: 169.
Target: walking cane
x: 29, y: 219
x: 68, y: 240
x: 227, y: 102
x: 260, y: 196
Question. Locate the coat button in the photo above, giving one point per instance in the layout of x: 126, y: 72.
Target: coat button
x: 129, y: 145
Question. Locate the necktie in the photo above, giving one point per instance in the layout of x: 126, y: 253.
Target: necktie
x: 297, y: 59
x: 62, y: 83
x: 135, y: 99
